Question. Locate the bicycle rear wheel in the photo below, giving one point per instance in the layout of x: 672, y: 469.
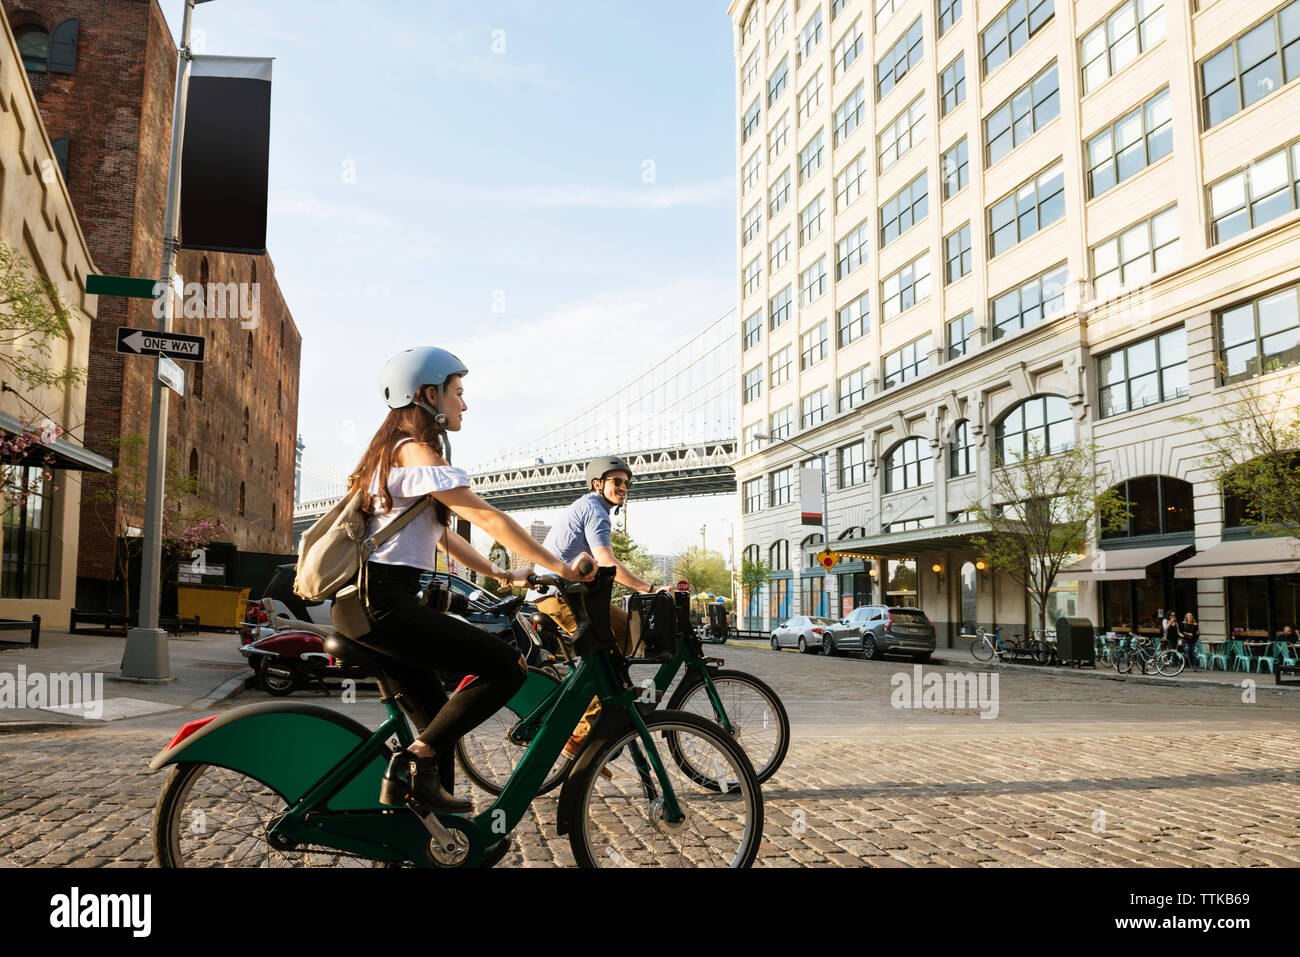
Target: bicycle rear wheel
x: 1123, y: 662
x: 489, y: 757
x: 621, y: 820
x: 1170, y: 663
x: 981, y: 650
x: 758, y: 719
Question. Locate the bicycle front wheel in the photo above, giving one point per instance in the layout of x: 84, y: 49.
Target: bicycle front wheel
x: 1170, y: 663
x: 209, y: 816
x: 622, y: 822
x: 981, y: 650
x: 489, y: 757
x: 1123, y: 662
x: 758, y: 719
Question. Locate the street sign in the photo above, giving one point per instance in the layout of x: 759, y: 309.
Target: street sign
x: 828, y: 559
x: 684, y: 585
x: 123, y: 286
x: 138, y: 342
x: 171, y: 375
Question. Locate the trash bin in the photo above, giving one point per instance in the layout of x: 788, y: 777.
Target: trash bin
x: 1074, y: 641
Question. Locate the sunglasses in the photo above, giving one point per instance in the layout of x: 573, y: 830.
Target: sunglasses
x: 620, y: 483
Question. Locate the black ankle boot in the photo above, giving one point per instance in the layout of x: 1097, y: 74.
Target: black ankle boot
x: 410, y: 778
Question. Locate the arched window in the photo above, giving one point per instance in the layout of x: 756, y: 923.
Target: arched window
x: 751, y: 553
x: 194, y: 466
x: 275, y: 462
x: 961, y: 451
x: 778, y: 556
x: 279, y: 395
x: 857, y: 531
x: 1041, y: 423
x: 245, y: 423
x: 242, y: 500
x: 969, y: 618
x: 811, y: 546
x: 908, y: 465
x: 204, y: 274
x: 747, y: 21
x: 248, y: 352
x: 1157, y: 505
x: 34, y: 47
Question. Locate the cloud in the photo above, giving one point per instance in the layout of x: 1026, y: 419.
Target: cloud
x: 647, y: 197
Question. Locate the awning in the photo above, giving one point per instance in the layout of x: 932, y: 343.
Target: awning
x: 1120, y: 564
x: 1251, y: 556
x: 67, y: 455
x: 936, y: 538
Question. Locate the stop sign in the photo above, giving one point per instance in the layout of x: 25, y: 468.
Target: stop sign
x: 684, y: 586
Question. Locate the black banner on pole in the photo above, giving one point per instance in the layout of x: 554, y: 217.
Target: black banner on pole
x: 226, y: 154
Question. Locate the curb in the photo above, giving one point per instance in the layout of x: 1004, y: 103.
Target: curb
x: 1109, y: 675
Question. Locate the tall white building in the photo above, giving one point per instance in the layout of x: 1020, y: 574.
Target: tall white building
x: 964, y: 224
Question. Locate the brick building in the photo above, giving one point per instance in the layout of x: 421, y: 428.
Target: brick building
x: 110, y: 119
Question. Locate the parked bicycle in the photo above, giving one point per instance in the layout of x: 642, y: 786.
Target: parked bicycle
x: 1142, y: 650
x: 986, y: 645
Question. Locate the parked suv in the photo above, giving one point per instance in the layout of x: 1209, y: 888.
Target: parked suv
x: 896, y: 629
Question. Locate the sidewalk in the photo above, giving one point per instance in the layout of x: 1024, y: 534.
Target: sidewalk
x: 205, y: 668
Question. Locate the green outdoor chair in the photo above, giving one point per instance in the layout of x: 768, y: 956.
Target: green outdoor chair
x: 1240, y: 656
x: 1284, y: 654
x: 1266, y: 659
x: 1212, y: 657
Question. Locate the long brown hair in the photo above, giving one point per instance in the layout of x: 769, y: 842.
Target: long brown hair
x: 410, y: 422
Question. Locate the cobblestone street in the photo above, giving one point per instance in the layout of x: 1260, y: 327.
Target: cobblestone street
x: 1074, y: 770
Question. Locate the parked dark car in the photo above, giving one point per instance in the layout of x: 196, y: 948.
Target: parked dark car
x: 894, y: 629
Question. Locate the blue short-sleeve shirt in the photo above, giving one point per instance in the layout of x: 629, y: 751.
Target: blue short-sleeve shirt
x: 583, y: 527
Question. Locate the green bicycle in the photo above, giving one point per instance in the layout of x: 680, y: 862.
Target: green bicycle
x: 285, y: 783
x: 740, y: 703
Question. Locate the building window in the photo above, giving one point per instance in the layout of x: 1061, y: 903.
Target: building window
x: 853, y: 389
x: 814, y: 345
x: 779, y: 250
x: 753, y: 496
x: 779, y: 194
x: 779, y: 487
x: 242, y: 501
x: 1157, y: 505
x: 952, y: 86
x: 961, y: 332
x: 812, y: 282
x: 754, y: 436
x: 782, y: 423
x: 813, y: 409
x: 279, y: 396
x: 902, y: 56
x: 949, y: 13
x: 837, y: 6
x: 779, y: 367
x: 198, y: 380
x: 811, y: 35
x: 1043, y: 421
x: 885, y: 9
x: 851, y: 251
x: 904, y: 210
x: 777, y: 82
x: 779, y: 557
x: 750, y: 122
x: 1117, y: 41
x: 849, y: 115
x: 956, y: 171
x: 810, y: 220
x: 245, y: 423
x: 749, y: 72
x: 1130, y: 144
x: 1144, y: 373
x: 1139, y: 252
x: 1263, y: 191
x: 193, y: 471
x: 903, y: 132
x: 778, y: 138
x: 905, y: 288
x: 810, y: 157
x: 1023, y: 114
x: 753, y: 384
x: 853, y: 321
x: 847, y: 50
x: 34, y: 47
x: 751, y: 224
x: 1030, y: 303
x: 248, y: 352
x: 753, y: 274
x: 957, y: 254
x: 1251, y: 66
x: 853, y: 464
x: 748, y: 22
x: 1259, y: 335
x: 810, y: 97
x: 907, y: 363
x: 961, y: 451
x: 1032, y: 206
x: 778, y: 308
x: 776, y: 29
x: 1011, y: 30
x: 908, y: 465
x: 749, y: 173
x: 28, y: 534
x: 754, y: 329
x: 848, y: 185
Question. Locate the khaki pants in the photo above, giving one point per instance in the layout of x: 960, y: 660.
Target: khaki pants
x: 560, y: 613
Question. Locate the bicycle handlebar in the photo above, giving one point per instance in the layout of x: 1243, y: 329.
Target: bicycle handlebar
x: 555, y: 581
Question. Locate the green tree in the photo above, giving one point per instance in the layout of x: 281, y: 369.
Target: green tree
x: 635, y: 557
x: 32, y: 319
x: 1042, y: 509
x: 753, y: 576
x: 706, y: 571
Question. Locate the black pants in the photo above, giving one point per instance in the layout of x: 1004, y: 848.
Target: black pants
x: 419, y: 642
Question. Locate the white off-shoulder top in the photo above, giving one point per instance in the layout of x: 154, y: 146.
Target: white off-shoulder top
x: 415, y: 545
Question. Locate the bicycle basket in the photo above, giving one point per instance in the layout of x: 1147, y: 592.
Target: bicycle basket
x: 653, y: 623
x: 590, y: 606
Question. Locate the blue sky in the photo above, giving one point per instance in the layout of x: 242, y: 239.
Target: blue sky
x: 475, y: 177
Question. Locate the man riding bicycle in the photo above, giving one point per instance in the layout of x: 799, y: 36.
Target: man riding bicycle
x: 585, y: 527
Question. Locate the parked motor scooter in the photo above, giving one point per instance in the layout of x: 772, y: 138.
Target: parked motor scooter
x: 293, y: 655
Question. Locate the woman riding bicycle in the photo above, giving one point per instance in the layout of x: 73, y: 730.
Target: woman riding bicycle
x: 409, y: 458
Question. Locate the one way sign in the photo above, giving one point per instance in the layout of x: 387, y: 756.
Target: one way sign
x: 138, y: 342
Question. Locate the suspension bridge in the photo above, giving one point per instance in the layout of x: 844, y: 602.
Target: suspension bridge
x: 676, y: 424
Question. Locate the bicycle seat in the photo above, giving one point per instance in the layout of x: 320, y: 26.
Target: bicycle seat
x: 351, y: 653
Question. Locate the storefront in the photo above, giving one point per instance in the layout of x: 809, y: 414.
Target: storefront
x: 1138, y: 587
x: 1262, y: 583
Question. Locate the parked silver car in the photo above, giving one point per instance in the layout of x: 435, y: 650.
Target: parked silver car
x: 807, y: 633
x: 890, y: 628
